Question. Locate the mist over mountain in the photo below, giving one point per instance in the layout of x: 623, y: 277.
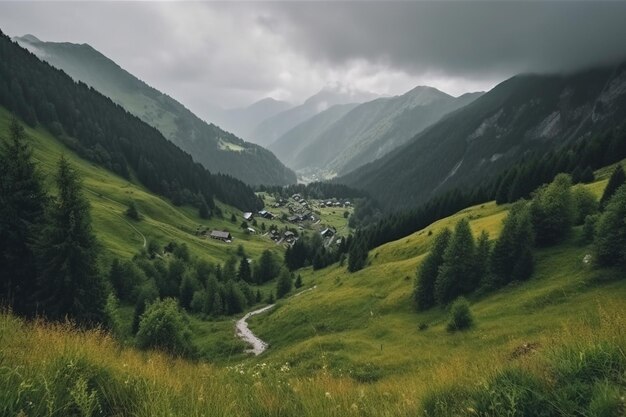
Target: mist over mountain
x: 271, y: 129
x: 217, y: 149
x: 242, y: 121
x: 337, y: 145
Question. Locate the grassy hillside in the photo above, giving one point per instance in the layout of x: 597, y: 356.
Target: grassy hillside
x: 351, y: 346
x: 110, y: 195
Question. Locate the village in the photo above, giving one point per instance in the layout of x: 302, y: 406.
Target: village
x: 285, y: 219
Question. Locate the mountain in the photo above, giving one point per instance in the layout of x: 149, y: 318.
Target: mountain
x: 526, y: 113
x: 242, y: 121
x: 102, y: 132
x: 365, y: 133
x: 213, y: 147
x: 271, y: 129
x: 290, y: 145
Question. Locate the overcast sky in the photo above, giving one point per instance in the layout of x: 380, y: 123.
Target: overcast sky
x: 232, y: 54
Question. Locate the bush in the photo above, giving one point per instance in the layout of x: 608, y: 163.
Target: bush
x: 460, y: 316
x: 164, y: 326
x: 133, y: 212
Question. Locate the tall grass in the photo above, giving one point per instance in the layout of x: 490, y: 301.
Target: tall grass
x: 58, y: 370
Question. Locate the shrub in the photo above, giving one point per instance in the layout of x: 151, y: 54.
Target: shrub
x: 460, y: 316
x: 132, y: 211
x: 164, y: 326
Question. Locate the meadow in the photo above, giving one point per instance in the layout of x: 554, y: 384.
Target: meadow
x: 352, y: 346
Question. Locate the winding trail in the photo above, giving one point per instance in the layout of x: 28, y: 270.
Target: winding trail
x: 243, y: 332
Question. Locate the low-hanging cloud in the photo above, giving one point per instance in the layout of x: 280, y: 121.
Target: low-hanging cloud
x: 232, y: 54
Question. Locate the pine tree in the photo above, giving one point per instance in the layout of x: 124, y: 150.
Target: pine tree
x: 188, y: 286
x: 267, y: 268
x: 483, y: 253
x: 298, y: 282
x: 357, y: 256
x: 283, y: 284
x: 617, y: 179
x: 244, y: 273
x: 610, y: 242
x: 511, y: 258
x: 457, y: 274
x: 22, y: 205
x: 70, y: 283
x: 424, y: 292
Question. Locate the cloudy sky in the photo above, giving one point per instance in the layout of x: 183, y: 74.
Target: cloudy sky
x: 232, y: 54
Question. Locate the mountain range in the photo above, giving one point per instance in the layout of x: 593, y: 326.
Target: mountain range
x: 343, y: 138
x: 216, y: 149
x: 274, y: 127
x: 524, y: 114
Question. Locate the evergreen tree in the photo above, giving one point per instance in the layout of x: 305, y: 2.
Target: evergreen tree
x: 244, y: 273
x: 457, y: 273
x: 357, y: 255
x: 511, y: 258
x: 617, y: 179
x: 298, y: 282
x: 483, y: 254
x: 22, y: 205
x: 283, y: 284
x: 266, y: 269
x: 188, y: 286
x: 424, y: 292
x: 610, y: 242
x: 70, y: 283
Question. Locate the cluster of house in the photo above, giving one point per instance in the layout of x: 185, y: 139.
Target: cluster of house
x: 287, y: 236
x: 301, y: 217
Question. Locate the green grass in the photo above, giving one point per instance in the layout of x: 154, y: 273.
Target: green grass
x: 109, y: 196
x: 351, y: 346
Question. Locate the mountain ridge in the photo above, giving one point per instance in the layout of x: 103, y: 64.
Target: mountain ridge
x: 365, y: 133
x: 528, y: 112
x: 216, y: 149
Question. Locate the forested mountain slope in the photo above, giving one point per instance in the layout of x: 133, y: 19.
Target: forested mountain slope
x: 523, y: 114
x: 216, y: 149
x: 273, y: 128
x: 105, y: 133
x: 370, y: 130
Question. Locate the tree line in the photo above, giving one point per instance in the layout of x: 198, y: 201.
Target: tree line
x: 579, y: 159
x: 459, y: 265
x: 103, y: 132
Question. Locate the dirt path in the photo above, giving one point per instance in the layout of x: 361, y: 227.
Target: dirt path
x: 243, y: 332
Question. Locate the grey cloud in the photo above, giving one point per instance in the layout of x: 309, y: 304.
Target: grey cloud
x: 470, y: 39
x: 235, y: 53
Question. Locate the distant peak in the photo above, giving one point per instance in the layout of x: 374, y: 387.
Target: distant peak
x: 28, y: 38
